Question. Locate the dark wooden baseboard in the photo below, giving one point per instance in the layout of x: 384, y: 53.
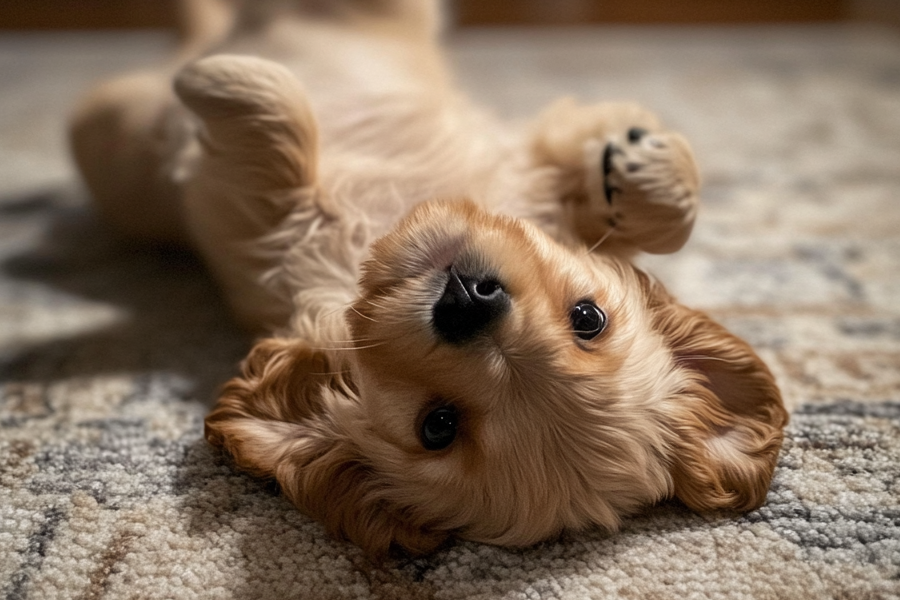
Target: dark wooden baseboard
x: 103, y: 14
x: 495, y: 12
x: 86, y: 14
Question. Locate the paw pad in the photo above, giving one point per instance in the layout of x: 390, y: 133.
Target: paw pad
x: 649, y: 183
x: 642, y: 163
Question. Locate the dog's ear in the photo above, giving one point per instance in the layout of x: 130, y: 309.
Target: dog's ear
x: 282, y: 419
x: 727, y: 418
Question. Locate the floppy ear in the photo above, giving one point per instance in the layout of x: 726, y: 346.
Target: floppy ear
x: 282, y: 418
x: 728, y: 418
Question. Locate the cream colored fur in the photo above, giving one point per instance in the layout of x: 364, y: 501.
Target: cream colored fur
x: 325, y: 167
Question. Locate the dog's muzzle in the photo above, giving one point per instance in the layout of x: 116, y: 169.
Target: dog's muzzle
x: 469, y: 306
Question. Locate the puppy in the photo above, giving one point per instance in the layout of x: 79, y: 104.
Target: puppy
x: 458, y: 345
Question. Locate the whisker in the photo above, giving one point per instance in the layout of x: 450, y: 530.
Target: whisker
x: 351, y: 307
x: 362, y: 315
x: 376, y: 305
x: 339, y: 349
x: 331, y: 312
x: 702, y: 357
x: 600, y: 241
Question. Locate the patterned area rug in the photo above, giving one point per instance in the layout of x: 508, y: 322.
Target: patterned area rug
x: 109, y: 355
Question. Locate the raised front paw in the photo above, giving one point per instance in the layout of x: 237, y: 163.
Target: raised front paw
x: 621, y: 183
x: 648, y: 182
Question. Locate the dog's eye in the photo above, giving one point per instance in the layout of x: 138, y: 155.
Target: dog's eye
x: 439, y: 428
x: 588, y: 321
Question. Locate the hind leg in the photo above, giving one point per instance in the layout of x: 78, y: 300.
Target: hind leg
x: 258, y: 165
x: 126, y: 137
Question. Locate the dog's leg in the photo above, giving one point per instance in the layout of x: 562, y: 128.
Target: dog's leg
x: 404, y: 18
x: 202, y: 24
x: 259, y: 141
x: 624, y: 183
x: 129, y: 135
x: 126, y: 137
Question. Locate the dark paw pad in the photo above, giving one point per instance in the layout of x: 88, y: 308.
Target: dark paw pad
x: 635, y: 134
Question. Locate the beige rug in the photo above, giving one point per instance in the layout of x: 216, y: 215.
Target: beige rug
x: 109, y: 356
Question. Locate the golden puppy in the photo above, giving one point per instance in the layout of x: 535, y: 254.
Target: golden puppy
x: 461, y: 347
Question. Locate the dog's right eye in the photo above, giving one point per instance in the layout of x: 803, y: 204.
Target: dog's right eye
x: 588, y: 320
x: 439, y: 428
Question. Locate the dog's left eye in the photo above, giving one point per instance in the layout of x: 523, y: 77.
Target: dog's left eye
x: 439, y: 428
x: 588, y: 320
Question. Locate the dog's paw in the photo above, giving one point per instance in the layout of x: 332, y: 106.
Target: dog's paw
x: 255, y: 118
x: 624, y: 183
x: 648, y: 182
x: 230, y: 86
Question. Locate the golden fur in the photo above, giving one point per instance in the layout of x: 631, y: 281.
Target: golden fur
x: 337, y: 187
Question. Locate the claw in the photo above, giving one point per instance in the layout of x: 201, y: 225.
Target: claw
x: 635, y: 134
x: 607, y: 158
x: 607, y: 163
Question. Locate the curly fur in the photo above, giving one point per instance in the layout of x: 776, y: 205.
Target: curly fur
x: 333, y: 185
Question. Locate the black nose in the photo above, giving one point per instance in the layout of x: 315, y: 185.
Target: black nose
x: 468, y: 306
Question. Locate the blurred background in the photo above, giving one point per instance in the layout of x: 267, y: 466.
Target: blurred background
x: 90, y: 14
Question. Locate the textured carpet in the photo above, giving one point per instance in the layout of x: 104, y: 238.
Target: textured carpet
x: 109, y: 356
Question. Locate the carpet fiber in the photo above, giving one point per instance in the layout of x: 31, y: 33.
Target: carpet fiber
x: 109, y: 355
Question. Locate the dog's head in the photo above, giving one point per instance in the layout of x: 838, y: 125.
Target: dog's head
x: 503, y: 388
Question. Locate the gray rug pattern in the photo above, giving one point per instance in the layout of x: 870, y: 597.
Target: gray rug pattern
x: 110, y: 355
